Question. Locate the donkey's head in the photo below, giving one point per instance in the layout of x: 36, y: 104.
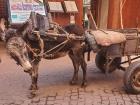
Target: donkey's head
x: 15, y: 44
x: 17, y: 49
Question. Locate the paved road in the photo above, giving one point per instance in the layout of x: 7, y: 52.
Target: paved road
x: 54, y: 88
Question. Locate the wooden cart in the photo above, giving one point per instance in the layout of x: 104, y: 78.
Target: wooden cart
x: 108, y: 59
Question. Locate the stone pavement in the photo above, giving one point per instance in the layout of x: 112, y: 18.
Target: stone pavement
x: 81, y: 96
x: 54, y: 88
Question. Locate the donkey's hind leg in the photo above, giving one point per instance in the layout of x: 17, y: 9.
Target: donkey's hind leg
x: 76, y: 68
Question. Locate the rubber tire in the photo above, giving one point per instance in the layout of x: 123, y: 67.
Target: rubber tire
x: 131, y: 70
x: 100, y: 60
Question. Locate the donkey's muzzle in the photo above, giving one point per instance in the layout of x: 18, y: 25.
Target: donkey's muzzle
x: 27, y: 66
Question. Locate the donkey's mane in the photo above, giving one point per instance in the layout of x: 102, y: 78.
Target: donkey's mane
x: 74, y: 29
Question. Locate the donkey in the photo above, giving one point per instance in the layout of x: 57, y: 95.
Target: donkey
x: 73, y: 48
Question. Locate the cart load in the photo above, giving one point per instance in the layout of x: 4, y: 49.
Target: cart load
x: 107, y: 38
x: 103, y: 38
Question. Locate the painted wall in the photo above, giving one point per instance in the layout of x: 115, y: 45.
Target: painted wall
x: 64, y: 18
x: 3, y: 9
x: 114, y: 14
x: 61, y: 18
x: 131, y: 14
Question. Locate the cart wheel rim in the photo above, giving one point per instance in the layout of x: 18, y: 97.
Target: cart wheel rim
x: 136, y: 79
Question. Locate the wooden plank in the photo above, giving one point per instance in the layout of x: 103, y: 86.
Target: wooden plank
x: 67, y: 36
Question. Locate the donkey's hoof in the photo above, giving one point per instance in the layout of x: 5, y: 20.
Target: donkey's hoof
x: 31, y: 95
x: 73, y: 82
x: 33, y: 87
x: 84, y: 84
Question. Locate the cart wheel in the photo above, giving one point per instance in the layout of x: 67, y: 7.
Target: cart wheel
x: 100, y: 61
x: 132, y: 78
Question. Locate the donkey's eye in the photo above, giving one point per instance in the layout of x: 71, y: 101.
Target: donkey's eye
x: 25, y: 53
x: 22, y: 56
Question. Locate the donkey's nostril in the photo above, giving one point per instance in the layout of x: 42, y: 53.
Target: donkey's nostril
x: 28, y: 70
x: 27, y: 66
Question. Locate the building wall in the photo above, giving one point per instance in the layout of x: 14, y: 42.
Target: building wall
x: 131, y: 14
x: 64, y: 18
x: 61, y: 18
x: 114, y: 14
x: 3, y: 9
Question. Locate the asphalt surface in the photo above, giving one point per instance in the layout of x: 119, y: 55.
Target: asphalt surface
x: 54, y: 88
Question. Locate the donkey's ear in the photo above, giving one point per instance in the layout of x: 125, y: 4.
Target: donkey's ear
x: 2, y: 24
x: 24, y: 29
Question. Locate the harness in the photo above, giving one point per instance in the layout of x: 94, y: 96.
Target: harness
x: 57, y: 48
x: 50, y: 29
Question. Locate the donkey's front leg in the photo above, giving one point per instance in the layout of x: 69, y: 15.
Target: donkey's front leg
x: 76, y: 69
x: 34, y: 75
x: 84, y: 68
x: 75, y: 61
x: 83, y: 64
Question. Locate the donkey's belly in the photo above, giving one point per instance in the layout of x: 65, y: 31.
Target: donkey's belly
x: 55, y: 56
